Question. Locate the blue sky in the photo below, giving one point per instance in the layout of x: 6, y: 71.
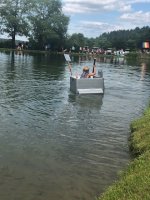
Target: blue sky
x: 94, y: 17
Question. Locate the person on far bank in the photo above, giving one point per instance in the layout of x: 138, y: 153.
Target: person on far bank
x: 86, y: 74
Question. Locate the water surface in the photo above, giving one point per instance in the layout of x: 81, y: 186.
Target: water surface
x: 57, y: 145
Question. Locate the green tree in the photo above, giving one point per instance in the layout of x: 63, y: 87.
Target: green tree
x: 49, y: 24
x: 13, y: 20
x: 103, y: 42
x: 77, y: 40
x: 131, y: 44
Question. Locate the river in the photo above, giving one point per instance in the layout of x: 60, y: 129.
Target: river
x: 57, y: 145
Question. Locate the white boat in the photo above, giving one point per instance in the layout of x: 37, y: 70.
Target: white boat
x: 87, y: 85
x: 93, y: 85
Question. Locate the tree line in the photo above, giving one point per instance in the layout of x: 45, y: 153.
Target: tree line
x: 45, y: 25
x: 121, y: 39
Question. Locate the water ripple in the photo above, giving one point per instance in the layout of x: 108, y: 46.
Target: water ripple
x: 52, y: 141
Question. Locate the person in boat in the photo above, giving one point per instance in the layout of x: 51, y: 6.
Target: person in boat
x: 87, y: 74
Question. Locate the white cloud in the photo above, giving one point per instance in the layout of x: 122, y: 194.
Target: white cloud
x: 95, y: 28
x: 77, y: 8
x: 98, y: 25
x: 138, y: 1
x: 139, y: 17
x: 109, y: 15
x: 91, y: 6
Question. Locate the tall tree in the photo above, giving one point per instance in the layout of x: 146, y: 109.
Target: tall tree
x: 49, y: 24
x: 77, y: 40
x: 13, y: 18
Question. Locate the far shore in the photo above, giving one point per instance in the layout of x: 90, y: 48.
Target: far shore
x: 130, y: 55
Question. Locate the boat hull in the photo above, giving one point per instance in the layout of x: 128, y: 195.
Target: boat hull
x: 87, y: 85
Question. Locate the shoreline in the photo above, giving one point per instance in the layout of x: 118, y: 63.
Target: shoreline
x: 130, y: 55
x: 134, y: 181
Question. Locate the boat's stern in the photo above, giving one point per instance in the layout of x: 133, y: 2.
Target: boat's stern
x: 87, y: 85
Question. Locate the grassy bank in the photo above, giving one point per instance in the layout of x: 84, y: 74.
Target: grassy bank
x: 134, y: 182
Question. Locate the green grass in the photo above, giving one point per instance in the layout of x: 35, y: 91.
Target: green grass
x: 140, y: 137
x: 134, y: 181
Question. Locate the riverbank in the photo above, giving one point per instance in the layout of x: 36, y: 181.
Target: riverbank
x: 131, y: 55
x: 134, y: 182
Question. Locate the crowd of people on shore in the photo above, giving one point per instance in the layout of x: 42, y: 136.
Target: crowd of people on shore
x: 98, y: 51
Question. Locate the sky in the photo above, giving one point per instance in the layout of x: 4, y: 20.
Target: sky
x: 94, y: 17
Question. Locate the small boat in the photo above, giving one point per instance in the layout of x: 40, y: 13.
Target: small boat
x: 93, y: 85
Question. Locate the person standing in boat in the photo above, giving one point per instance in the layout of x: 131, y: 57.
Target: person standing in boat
x: 86, y: 74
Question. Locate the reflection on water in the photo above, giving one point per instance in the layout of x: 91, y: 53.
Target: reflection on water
x: 110, y: 59
x: 94, y: 101
x: 143, y: 70
x: 54, y: 144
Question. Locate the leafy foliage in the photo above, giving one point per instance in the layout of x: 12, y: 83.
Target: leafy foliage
x: 49, y: 24
x: 121, y: 39
x: 41, y: 20
x: 13, y: 18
